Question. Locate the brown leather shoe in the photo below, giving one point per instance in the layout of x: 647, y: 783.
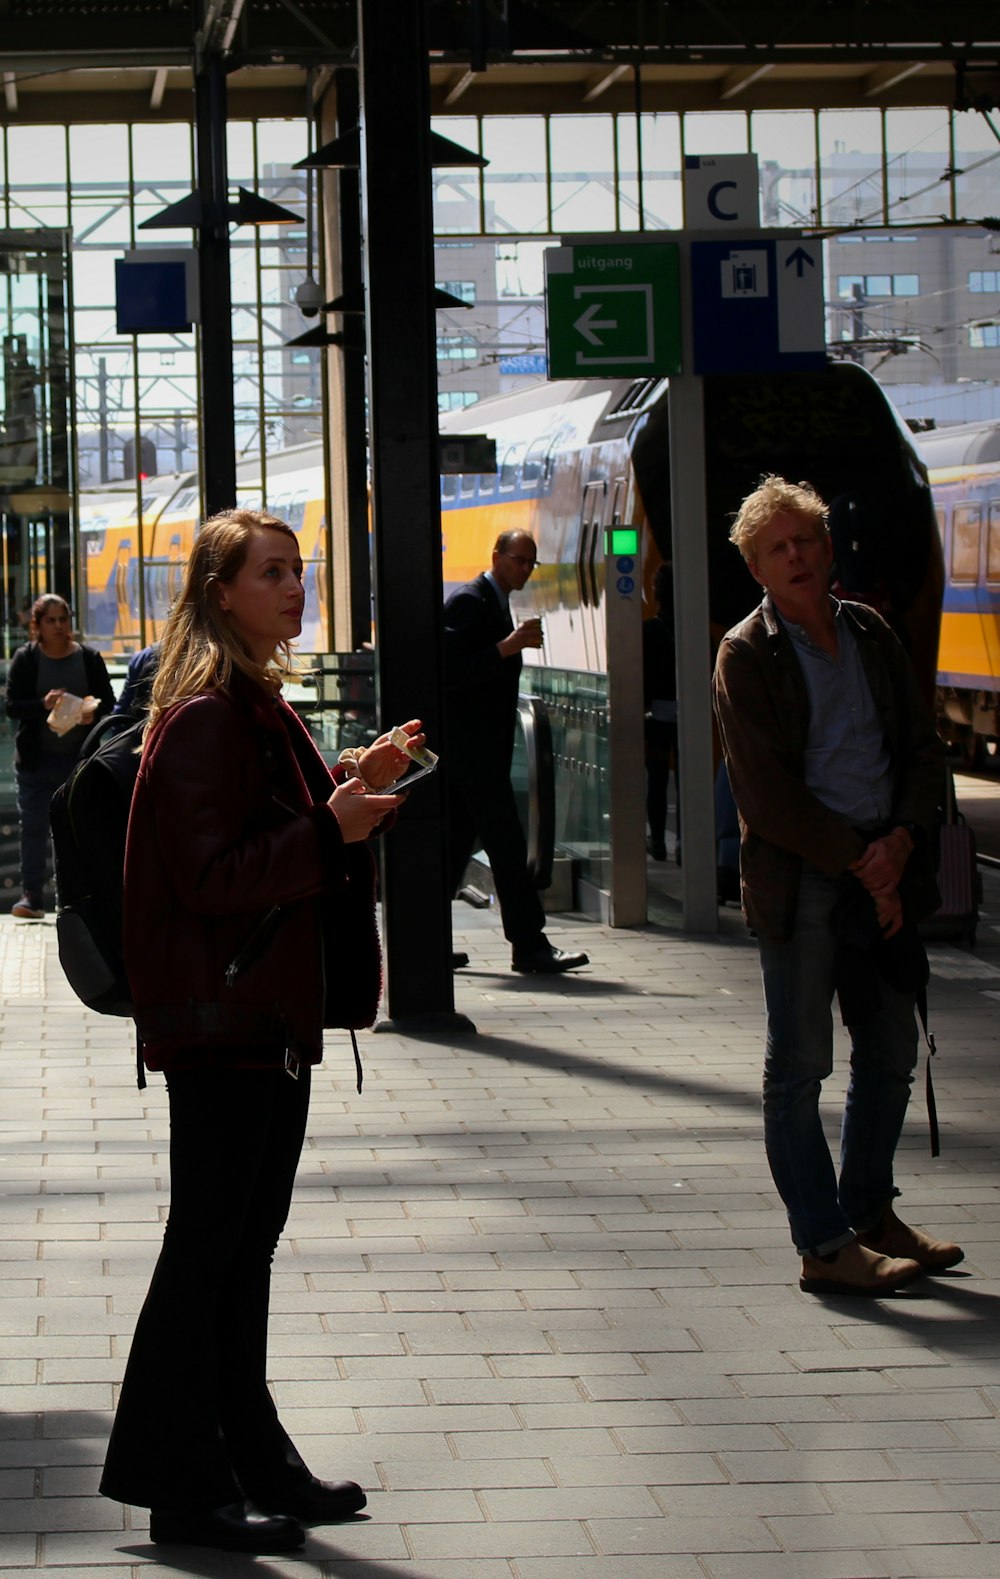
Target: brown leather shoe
x: 855, y: 1270
x: 894, y: 1238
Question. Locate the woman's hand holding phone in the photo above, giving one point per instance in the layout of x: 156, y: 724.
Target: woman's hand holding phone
x: 382, y: 762
x: 359, y: 812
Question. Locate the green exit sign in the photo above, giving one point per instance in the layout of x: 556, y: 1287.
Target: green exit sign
x: 613, y: 311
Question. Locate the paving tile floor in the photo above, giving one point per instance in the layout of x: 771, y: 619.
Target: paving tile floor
x: 537, y: 1292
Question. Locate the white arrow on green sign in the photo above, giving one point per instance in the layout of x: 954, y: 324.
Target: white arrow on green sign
x: 612, y: 311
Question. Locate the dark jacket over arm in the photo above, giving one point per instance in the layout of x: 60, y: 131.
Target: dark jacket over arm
x: 229, y: 820
x: 762, y: 707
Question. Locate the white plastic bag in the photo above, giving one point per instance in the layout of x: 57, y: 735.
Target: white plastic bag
x: 67, y: 713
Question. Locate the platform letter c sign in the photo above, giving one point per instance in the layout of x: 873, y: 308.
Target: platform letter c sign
x: 713, y: 200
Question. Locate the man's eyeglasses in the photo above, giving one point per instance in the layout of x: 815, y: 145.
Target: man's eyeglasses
x: 521, y: 559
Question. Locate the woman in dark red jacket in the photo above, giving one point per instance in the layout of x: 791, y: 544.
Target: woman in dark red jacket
x: 249, y: 925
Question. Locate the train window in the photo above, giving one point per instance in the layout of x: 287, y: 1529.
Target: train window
x: 993, y: 543
x: 635, y: 397
x: 486, y: 481
x: 509, y: 467
x: 297, y: 509
x: 534, y: 462
x: 449, y: 485
x: 966, y: 529
x: 468, y: 484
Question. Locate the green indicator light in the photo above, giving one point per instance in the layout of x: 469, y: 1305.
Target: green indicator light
x: 625, y: 540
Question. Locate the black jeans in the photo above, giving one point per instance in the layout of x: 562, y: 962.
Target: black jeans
x: 661, y: 754
x: 196, y: 1427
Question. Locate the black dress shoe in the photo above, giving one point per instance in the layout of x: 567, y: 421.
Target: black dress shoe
x: 236, y: 1527
x: 318, y: 1501
x: 458, y: 959
x: 544, y: 960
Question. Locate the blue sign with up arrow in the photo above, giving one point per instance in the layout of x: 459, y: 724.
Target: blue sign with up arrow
x: 757, y: 305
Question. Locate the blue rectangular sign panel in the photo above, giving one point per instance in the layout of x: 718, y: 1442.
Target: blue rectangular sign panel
x: 151, y: 298
x: 757, y: 306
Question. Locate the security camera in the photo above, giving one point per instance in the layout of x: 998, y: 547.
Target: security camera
x: 309, y: 297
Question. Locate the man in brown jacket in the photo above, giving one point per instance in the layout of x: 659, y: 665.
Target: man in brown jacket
x: 836, y: 770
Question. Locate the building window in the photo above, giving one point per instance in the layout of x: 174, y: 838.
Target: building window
x: 870, y: 285
x: 457, y: 399
x: 465, y: 290
x: 984, y: 336
x: 984, y: 280
x: 456, y: 348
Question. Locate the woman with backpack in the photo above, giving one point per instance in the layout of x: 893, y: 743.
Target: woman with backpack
x: 249, y: 926
x: 48, y: 676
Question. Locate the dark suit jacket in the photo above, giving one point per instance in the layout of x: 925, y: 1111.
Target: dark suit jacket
x: 480, y: 686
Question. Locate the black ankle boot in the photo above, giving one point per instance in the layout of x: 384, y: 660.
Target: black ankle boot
x: 236, y: 1527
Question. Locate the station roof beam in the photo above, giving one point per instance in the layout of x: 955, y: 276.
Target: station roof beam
x: 885, y: 77
x: 606, y: 80
x: 737, y: 82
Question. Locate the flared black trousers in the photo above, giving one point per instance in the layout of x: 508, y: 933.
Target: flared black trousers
x: 196, y: 1426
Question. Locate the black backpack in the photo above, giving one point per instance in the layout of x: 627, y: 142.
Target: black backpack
x: 89, y: 819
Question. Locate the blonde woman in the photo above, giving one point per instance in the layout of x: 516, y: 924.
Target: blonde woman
x: 249, y: 925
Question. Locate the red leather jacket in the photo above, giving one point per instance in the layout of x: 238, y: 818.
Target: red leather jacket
x: 249, y: 924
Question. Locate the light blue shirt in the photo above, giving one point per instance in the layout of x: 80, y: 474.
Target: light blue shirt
x: 847, y: 763
x: 501, y: 594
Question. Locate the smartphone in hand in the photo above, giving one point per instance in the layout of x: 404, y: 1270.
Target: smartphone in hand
x: 411, y: 776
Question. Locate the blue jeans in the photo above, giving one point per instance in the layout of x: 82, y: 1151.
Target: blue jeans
x: 35, y: 789
x: 798, y: 975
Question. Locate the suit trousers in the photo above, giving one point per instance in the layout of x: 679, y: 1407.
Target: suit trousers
x: 485, y: 812
x: 196, y: 1426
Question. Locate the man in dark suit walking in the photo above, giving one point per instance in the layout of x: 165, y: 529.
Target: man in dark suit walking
x: 482, y: 651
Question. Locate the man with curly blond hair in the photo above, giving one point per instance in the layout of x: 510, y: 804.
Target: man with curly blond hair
x: 836, y: 770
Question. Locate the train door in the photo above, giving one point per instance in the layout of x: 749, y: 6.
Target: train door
x: 966, y: 573
x: 989, y: 587
x: 588, y: 545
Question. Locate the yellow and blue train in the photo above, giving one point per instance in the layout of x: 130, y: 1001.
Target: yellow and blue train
x: 573, y: 460
x: 964, y: 468
x: 118, y: 612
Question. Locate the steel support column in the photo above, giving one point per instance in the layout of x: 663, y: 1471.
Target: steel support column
x: 354, y: 437
x: 402, y: 384
x: 215, y: 341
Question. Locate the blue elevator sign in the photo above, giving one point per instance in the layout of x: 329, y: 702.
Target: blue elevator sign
x: 757, y: 305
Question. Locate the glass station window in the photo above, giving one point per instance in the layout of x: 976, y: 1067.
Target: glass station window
x: 515, y: 182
